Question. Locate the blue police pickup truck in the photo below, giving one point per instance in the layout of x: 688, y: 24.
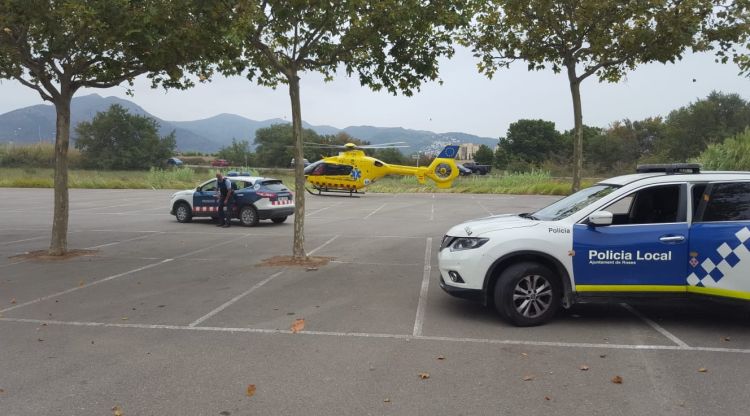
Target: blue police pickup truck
x: 255, y: 198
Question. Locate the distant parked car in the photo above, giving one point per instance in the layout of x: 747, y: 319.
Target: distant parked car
x: 478, y: 169
x: 463, y: 170
x: 173, y: 161
x: 304, y: 161
x: 219, y: 163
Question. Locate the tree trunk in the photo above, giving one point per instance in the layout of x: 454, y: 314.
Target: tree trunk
x: 59, y: 242
x: 575, y: 91
x: 298, y: 249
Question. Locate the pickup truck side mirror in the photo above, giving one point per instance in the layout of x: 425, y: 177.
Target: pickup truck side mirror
x: 600, y: 218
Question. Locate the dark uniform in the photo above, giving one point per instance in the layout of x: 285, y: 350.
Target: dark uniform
x: 225, y: 189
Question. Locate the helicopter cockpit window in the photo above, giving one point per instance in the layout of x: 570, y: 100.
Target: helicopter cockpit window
x: 378, y: 163
x: 327, y: 169
x: 309, y: 169
x: 337, y: 170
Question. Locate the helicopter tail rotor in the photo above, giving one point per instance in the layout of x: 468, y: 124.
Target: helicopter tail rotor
x: 443, y: 169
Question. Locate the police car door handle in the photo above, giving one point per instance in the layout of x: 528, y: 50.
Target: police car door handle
x: 672, y: 238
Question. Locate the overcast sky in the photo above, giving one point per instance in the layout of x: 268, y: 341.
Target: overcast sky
x: 466, y: 102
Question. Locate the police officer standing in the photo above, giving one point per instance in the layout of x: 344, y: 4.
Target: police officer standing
x: 224, y: 186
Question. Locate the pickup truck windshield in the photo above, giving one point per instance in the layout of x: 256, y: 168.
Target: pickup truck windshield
x: 573, y: 203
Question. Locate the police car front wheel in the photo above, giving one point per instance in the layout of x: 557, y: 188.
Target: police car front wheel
x: 249, y: 216
x: 182, y: 212
x: 527, y: 294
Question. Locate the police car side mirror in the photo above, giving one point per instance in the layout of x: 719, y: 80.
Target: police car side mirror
x: 197, y: 189
x: 600, y: 218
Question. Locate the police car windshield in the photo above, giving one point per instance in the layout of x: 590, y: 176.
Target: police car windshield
x: 573, y: 203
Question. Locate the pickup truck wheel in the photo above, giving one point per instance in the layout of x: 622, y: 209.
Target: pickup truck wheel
x: 527, y: 294
x: 278, y: 220
x: 249, y: 216
x: 182, y: 212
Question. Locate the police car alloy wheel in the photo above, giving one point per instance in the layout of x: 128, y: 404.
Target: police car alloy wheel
x: 182, y: 212
x: 278, y: 220
x: 527, y: 294
x: 249, y: 216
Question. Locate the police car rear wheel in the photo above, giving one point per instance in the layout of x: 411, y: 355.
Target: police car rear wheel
x: 182, y: 212
x: 249, y: 216
x: 278, y: 220
x: 527, y: 294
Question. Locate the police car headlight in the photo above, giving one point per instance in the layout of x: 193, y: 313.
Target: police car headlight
x: 468, y: 243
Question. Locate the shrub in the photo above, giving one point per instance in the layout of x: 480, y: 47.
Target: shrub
x: 732, y: 154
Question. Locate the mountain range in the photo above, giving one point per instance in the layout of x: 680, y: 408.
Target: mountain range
x: 37, y: 123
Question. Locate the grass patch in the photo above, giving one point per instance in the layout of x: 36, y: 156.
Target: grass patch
x: 534, y: 183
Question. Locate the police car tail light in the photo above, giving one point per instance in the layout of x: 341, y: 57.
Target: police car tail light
x: 265, y: 194
x: 468, y: 243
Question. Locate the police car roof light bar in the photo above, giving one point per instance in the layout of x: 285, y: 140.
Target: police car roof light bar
x: 669, y: 168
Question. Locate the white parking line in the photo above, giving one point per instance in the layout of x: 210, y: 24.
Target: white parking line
x: 376, y: 210
x: 315, y: 250
x: 121, y: 241
x: 432, y: 212
x: 419, y: 319
x: 656, y: 326
x: 251, y: 290
x: 21, y: 241
x: 235, y: 299
x: 585, y: 345
x: 95, y: 282
x: 323, y: 209
x: 485, y: 208
x: 129, y: 272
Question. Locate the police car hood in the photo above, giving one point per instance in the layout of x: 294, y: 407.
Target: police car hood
x: 476, y: 228
x: 185, y: 192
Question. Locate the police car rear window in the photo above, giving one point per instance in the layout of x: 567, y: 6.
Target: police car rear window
x: 574, y: 203
x: 274, y: 185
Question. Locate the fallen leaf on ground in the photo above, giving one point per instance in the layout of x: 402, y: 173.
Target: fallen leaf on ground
x: 702, y: 370
x: 726, y: 339
x: 250, y: 390
x: 584, y: 368
x: 617, y: 380
x: 424, y: 376
x: 441, y: 357
x: 124, y: 318
x: 523, y: 354
x: 528, y: 377
x: 603, y: 356
x: 311, y: 269
x: 298, y: 325
x: 2, y: 391
x: 81, y: 283
x: 39, y: 339
x: 13, y: 301
x: 547, y: 398
x: 116, y: 411
x: 386, y: 400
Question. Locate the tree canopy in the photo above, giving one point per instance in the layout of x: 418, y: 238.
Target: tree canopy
x: 118, y: 140
x: 58, y: 47
x: 390, y: 44
x: 605, y: 38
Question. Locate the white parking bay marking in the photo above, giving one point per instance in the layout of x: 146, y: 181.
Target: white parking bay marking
x: 251, y: 290
x: 95, y: 282
x: 235, y: 299
x: 639, y: 347
x: 315, y: 250
x: 129, y: 272
x: 419, y: 320
x: 25, y: 239
x: 376, y: 210
x: 122, y: 241
x: 660, y: 329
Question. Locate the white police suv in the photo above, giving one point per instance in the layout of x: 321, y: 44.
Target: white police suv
x: 255, y: 198
x: 668, y: 230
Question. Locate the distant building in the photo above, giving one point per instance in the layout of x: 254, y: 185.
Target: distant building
x: 466, y: 151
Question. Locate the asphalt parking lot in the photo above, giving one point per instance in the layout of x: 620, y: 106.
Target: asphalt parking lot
x: 178, y: 319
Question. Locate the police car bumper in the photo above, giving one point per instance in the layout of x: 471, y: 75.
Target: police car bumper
x: 280, y: 212
x: 461, y: 292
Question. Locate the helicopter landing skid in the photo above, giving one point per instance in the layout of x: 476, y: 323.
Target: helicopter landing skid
x: 350, y: 193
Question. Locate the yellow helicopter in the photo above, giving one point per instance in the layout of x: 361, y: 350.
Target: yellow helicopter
x: 352, y: 170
